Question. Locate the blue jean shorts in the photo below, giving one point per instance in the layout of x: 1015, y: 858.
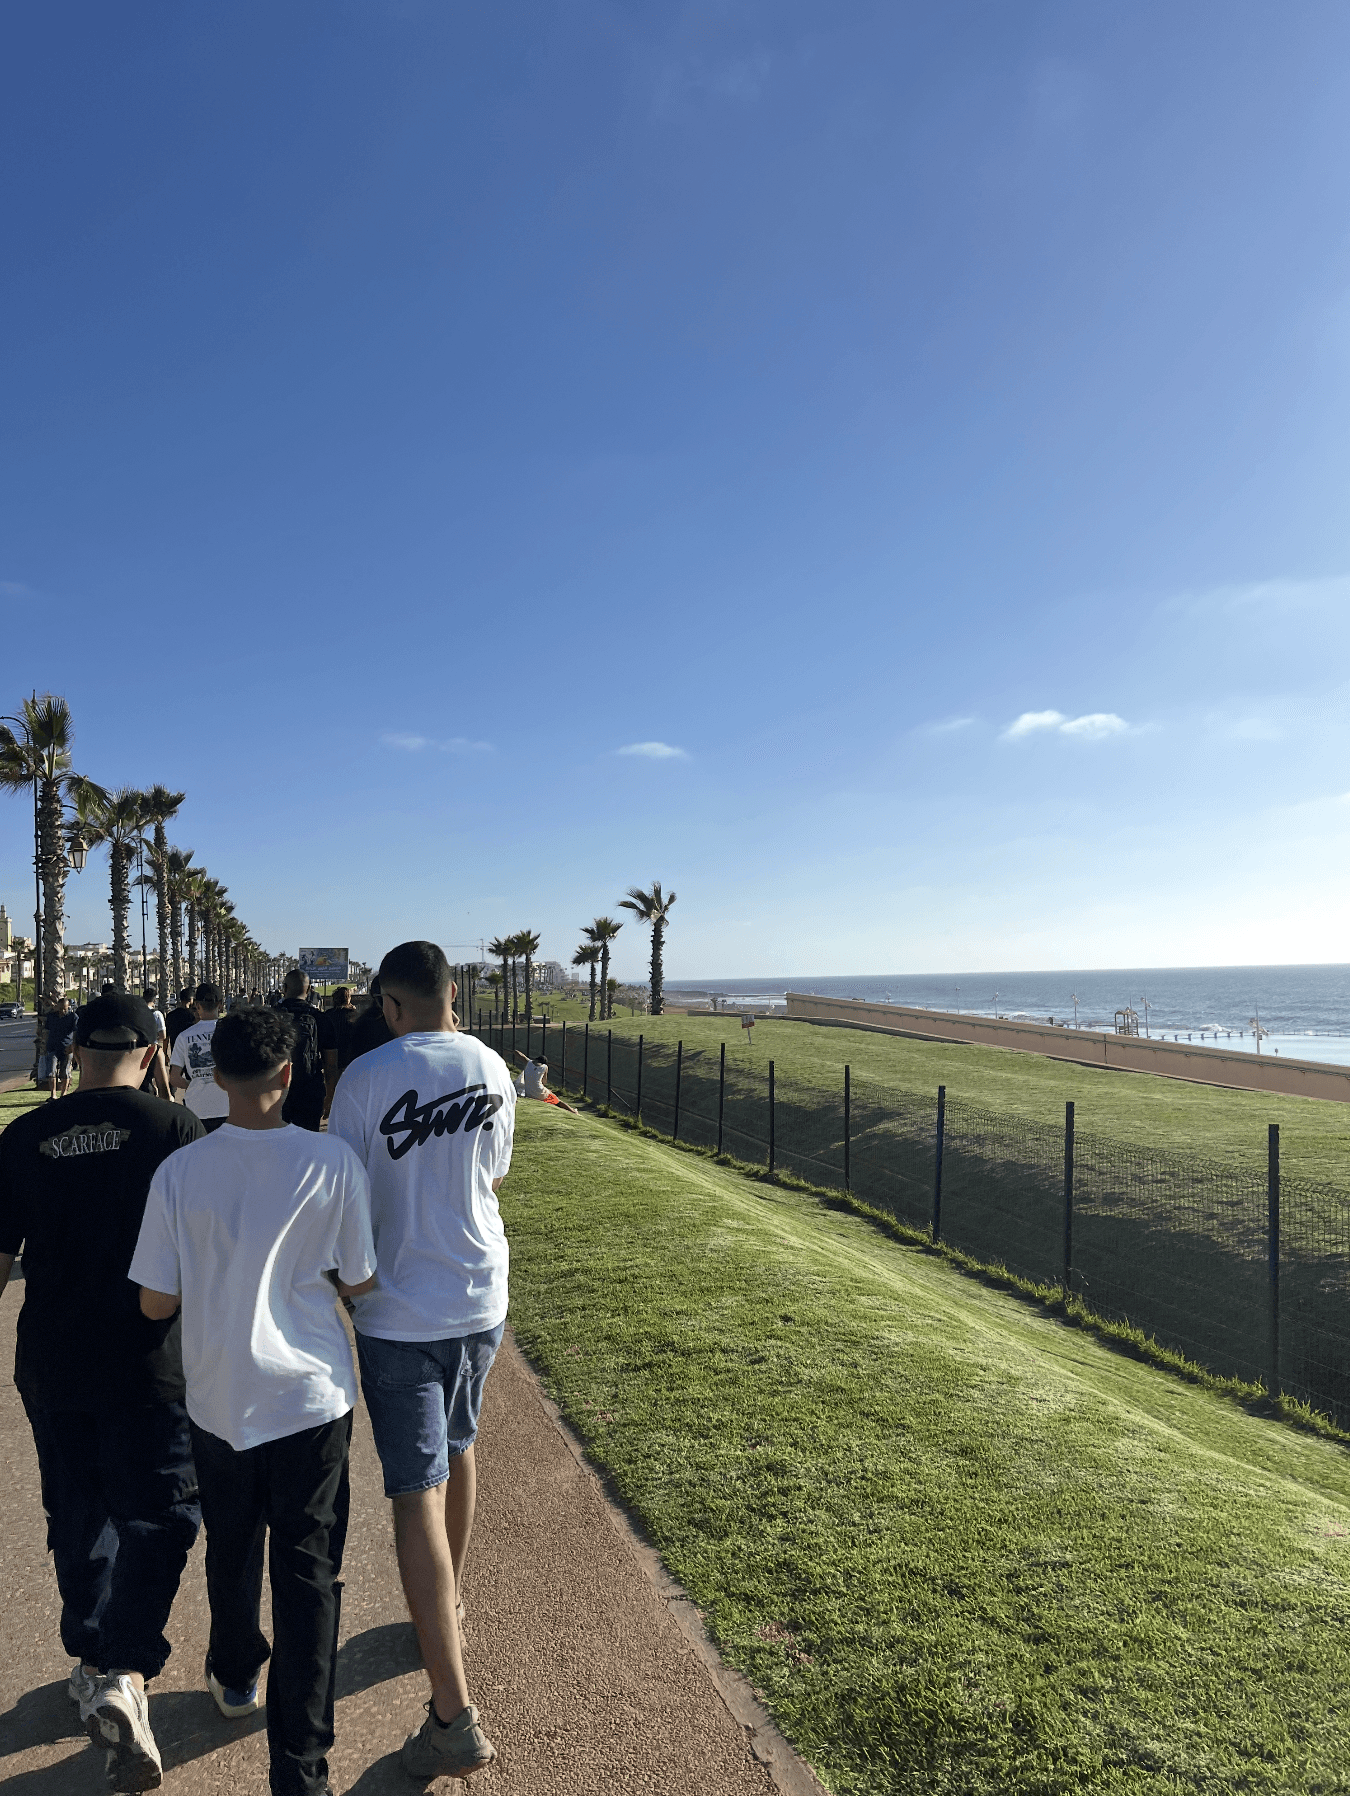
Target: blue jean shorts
x: 424, y: 1398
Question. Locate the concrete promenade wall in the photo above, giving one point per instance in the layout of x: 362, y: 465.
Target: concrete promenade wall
x: 1086, y: 1047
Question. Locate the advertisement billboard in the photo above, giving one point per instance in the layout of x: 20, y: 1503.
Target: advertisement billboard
x: 325, y: 966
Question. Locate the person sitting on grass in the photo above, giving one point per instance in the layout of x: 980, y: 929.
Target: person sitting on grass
x: 251, y: 1230
x: 532, y: 1082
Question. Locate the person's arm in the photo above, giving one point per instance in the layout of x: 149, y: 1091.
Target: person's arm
x: 178, y: 1079
x: 6, y: 1267
x: 367, y: 1284
x: 158, y: 1077
x: 158, y: 1305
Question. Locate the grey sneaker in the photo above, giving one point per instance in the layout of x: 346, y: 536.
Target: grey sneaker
x: 458, y: 1750
x: 83, y: 1685
x: 118, y: 1722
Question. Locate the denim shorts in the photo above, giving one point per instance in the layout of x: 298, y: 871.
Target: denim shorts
x: 424, y: 1398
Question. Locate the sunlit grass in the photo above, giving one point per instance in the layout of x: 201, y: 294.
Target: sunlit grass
x: 958, y: 1546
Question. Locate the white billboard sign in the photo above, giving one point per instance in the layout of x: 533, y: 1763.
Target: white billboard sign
x: 325, y: 966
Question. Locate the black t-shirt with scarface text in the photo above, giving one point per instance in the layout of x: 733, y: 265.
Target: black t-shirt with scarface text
x: 74, y: 1175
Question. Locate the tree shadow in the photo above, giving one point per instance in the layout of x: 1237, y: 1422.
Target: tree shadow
x: 187, y: 1724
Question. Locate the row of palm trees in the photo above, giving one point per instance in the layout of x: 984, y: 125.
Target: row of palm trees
x: 517, y: 952
x: 650, y: 906
x: 73, y: 814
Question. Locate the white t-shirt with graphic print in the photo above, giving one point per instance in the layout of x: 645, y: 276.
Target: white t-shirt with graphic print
x: 431, y: 1116
x: 192, y: 1055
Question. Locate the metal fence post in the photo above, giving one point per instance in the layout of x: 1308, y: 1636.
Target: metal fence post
x: 937, y: 1167
x: 638, y: 1111
x: 543, y: 1041
x: 586, y: 1063
x: 848, y: 1126
x: 679, y: 1068
x: 771, y: 1155
x: 1273, y: 1203
x: 528, y: 1026
x: 564, y: 1054
x: 721, y: 1093
x: 1068, y: 1196
x: 609, y: 1069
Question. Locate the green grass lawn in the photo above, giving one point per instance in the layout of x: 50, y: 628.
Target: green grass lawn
x: 1168, y: 1115
x: 958, y: 1546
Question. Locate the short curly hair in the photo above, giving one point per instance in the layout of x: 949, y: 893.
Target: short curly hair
x: 248, y: 1044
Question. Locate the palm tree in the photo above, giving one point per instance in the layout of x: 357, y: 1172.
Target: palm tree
x: 178, y: 864
x: 494, y: 979
x: 500, y: 949
x: 42, y: 762
x: 161, y: 805
x: 527, y: 945
x: 602, y: 932
x: 652, y: 907
x: 588, y: 955
x: 117, y: 819
x: 194, y: 895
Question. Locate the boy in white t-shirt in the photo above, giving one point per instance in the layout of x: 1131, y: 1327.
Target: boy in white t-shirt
x: 252, y: 1234
x: 192, y: 1067
x: 432, y: 1116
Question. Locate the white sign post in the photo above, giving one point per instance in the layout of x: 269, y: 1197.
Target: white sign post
x: 748, y: 1022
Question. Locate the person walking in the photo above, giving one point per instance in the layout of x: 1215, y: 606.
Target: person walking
x: 180, y: 1017
x: 250, y: 1231
x: 431, y: 1115
x: 60, y: 1043
x: 102, y: 1387
x: 306, y: 1099
x: 192, y: 1067
x: 337, y: 1028
x: 157, y: 1079
x: 371, y: 1030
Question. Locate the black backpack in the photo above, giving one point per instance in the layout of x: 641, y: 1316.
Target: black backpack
x: 306, y: 1061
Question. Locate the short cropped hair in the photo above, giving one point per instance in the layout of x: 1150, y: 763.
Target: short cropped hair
x: 418, y: 967
x: 342, y: 997
x: 295, y: 982
x: 248, y: 1044
x: 209, y: 996
x: 185, y: 996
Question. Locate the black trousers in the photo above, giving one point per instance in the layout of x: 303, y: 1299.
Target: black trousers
x: 296, y: 1487
x: 122, y: 1514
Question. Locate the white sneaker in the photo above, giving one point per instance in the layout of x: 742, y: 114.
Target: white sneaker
x: 118, y: 1722
x: 82, y: 1686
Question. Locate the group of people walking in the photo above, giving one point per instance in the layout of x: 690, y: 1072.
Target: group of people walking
x: 182, y: 1356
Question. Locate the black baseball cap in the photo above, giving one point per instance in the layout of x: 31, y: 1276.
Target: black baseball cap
x: 119, y: 1021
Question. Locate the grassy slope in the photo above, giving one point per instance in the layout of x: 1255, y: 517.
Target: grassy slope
x: 1225, y: 1126
x: 959, y: 1547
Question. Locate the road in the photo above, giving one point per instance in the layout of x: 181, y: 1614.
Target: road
x: 16, y: 1047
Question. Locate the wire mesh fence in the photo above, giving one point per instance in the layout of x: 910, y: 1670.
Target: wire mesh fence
x: 1244, y: 1272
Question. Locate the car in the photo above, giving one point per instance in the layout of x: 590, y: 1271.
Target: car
x: 12, y: 1010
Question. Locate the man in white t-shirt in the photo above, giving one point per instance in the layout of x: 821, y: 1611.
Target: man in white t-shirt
x: 431, y: 1115
x: 252, y: 1234
x: 192, y: 1066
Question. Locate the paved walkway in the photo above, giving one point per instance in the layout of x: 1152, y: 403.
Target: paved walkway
x: 585, y: 1677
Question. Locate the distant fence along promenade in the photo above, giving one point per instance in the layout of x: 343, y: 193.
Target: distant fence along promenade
x: 1246, y: 1273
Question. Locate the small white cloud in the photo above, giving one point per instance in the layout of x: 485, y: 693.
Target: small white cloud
x: 457, y: 745
x: 948, y: 727
x: 1031, y: 721
x: 654, y: 751
x: 1092, y: 727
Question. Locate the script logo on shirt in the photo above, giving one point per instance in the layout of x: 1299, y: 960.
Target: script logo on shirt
x: 91, y: 1138
x: 413, y: 1124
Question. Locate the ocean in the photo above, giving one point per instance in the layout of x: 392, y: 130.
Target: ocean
x: 1304, y: 1011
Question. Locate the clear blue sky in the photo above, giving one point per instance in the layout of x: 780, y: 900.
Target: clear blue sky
x: 408, y: 407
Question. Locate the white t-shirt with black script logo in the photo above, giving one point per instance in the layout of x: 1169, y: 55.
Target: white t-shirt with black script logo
x: 431, y: 1117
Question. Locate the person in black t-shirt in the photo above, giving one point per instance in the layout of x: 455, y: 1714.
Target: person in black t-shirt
x: 103, y: 1387
x: 371, y: 1030
x: 305, y: 1100
x: 336, y: 1028
x: 60, y: 1025
x: 179, y: 1018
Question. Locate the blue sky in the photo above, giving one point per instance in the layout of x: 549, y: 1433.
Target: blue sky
x: 409, y: 407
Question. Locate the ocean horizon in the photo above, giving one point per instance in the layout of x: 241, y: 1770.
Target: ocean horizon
x: 1304, y: 1010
